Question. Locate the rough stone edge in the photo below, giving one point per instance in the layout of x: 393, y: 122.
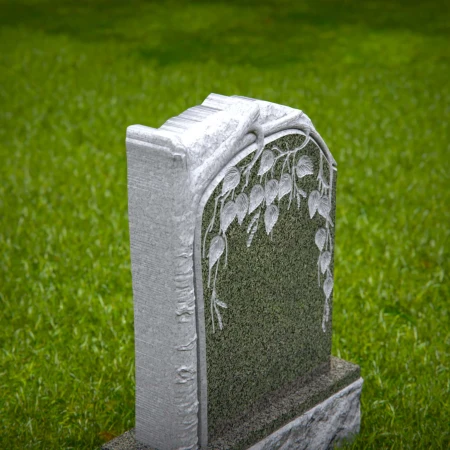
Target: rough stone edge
x: 330, y: 423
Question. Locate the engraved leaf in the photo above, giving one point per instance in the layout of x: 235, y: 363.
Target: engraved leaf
x: 256, y: 197
x: 328, y: 287
x: 285, y: 185
x: 270, y: 217
x: 252, y: 221
x: 324, y: 207
x: 252, y: 235
x: 271, y: 191
x: 304, y: 166
x: 219, y: 317
x: 325, y: 259
x: 267, y: 160
x: 231, y: 180
x: 241, y: 207
x: 321, y: 236
x: 252, y: 228
x: 220, y: 303
x: 313, y: 202
x: 227, y: 215
x: 216, y: 248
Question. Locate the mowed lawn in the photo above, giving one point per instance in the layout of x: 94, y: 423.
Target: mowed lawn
x: 374, y: 78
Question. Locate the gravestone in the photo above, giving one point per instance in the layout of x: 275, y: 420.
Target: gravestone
x: 232, y: 226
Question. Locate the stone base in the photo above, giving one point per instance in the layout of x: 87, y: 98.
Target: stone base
x: 325, y: 426
x: 328, y: 412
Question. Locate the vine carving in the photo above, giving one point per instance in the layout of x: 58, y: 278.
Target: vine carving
x: 261, y: 202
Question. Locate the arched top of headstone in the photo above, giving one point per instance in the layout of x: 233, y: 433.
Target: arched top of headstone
x: 207, y: 136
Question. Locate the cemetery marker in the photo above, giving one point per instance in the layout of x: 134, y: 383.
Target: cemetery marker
x: 232, y: 225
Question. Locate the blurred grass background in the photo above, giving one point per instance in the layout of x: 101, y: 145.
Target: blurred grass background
x: 374, y: 78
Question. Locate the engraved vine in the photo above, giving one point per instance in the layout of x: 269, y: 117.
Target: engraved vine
x: 263, y: 200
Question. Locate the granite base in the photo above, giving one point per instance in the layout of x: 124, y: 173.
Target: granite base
x: 328, y: 413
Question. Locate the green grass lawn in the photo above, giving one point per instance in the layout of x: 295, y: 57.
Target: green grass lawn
x: 374, y: 78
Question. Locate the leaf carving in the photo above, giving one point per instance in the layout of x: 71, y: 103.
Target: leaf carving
x: 313, y: 202
x: 216, y: 248
x: 321, y: 236
x: 271, y: 191
x: 324, y: 207
x: 267, y: 160
x: 261, y: 198
x: 220, y: 303
x: 252, y: 221
x: 325, y: 259
x: 231, y: 180
x: 227, y: 215
x: 285, y: 185
x: 304, y: 166
x: 328, y: 287
x: 256, y: 197
x: 241, y: 207
x: 219, y: 317
x: 270, y: 217
x: 252, y: 228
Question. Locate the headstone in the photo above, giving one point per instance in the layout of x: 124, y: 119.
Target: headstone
x: 232, y: 227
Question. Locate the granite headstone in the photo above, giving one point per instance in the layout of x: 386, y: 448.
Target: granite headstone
x: 232, y: 227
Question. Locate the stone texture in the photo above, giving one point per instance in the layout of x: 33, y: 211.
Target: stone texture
x: 281, y: 406
x: 323, y: 397
x: 126, y: 441
x: 325, y: 426
x: 272, y: 326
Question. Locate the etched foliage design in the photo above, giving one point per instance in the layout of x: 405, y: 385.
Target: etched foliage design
x: 261, y: 203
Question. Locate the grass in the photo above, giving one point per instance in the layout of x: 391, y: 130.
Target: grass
x: 373, y: 76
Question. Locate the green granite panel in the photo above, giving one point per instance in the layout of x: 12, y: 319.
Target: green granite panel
x: 273, y: 324
x: 286, y: 404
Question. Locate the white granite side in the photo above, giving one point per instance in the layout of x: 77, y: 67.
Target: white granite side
x: 323, y: 427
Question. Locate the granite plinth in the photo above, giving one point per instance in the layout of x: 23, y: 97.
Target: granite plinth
x: 326, y: 407
x: 327, y: 425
